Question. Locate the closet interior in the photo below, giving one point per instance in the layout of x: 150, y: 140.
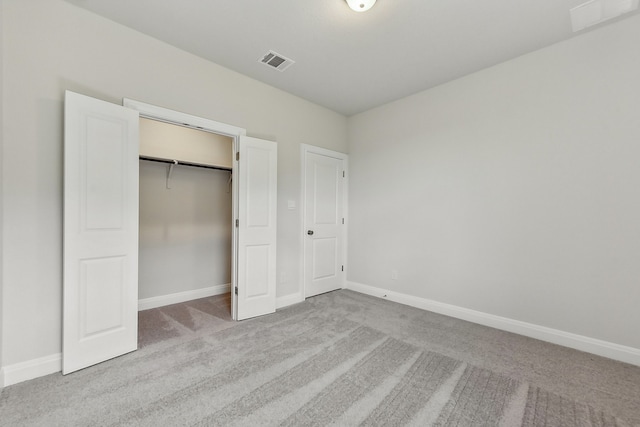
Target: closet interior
x: 185, y: 223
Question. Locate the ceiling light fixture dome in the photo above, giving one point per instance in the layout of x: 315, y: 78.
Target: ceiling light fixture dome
x: 361, y: 5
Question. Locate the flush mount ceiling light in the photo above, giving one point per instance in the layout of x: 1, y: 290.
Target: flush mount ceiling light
x: 361, y: 5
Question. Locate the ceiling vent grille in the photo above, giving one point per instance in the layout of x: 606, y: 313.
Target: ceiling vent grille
x: 277, y: 61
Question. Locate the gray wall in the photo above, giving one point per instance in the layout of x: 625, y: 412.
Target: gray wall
x: 57, y: 46
x: 185, y: 231
x: 514, y: 191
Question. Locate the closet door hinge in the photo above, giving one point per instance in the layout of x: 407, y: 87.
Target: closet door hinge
x: 343, y: 174
x: 237, y: 223
x: 343, y: 268
x: 343, y: 221
x: 238, y: 155
x: 236, y: 290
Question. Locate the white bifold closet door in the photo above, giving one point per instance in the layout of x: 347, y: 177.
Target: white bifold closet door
x: 257, y: 207
x: 100, y: 266
x: 100, y: 255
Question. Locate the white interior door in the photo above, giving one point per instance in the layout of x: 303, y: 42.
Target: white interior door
x: 256, y: 230
x: 100, y: 266
x: 324, y: 223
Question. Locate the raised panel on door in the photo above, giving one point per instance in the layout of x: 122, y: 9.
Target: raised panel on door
x: 325, y: 258
x: 257, y: 225
x: 103, y: 286
x: 100, y: 255
x: 323, y: 223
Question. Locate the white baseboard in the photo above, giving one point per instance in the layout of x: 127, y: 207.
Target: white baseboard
x: 289, y: 300
x: 555, y: 336
x: 178, y: 297
x: 24, y: 371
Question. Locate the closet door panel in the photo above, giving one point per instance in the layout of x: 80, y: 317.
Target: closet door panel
x: 257, y: 202
x: 100, y: 265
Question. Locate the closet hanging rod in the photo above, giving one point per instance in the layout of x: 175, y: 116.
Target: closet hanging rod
x: 177, y: 162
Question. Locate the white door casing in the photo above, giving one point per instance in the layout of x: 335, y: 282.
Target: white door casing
x: 247, y: 176
x: 324, y: 220
x: 257, y: 222
x: 100, y: 255
x: 100, y: 265
x: 154, y: 112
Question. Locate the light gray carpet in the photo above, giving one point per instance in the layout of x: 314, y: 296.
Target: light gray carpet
x: 341, y: 359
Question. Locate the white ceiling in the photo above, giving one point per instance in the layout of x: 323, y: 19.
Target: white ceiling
x: 347, y: 61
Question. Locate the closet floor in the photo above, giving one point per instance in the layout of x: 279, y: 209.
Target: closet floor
x: 195, y: 317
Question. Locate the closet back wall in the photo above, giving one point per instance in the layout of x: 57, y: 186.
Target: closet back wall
x: 185, y: 231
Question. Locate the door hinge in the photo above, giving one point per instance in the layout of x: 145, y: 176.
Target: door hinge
x: 236, y: 290
x: 343, y: 268
x: 237, y: 222
x: 238, y: 156
x: 343, y: 174
x: 342, y: 220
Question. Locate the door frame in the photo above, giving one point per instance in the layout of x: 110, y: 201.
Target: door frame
x: 166, y: 115
x: 304, y: 150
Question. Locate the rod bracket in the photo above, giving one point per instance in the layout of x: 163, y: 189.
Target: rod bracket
x: 169, y: 172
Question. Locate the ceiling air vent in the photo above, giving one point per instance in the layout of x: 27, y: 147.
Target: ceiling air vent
x: 277, y: 61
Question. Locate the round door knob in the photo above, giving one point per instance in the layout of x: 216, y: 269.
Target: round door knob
x: 310, y: 232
